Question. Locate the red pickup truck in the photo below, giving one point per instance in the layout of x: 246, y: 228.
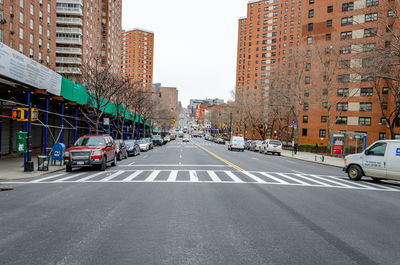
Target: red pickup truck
x: 91, y: 151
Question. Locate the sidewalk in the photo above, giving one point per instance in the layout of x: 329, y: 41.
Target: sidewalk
x: 13, y: 168
x: 316, y: 158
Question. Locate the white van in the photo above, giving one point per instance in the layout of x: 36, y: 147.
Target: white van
x: 381, y: 160
x: 236, y: 143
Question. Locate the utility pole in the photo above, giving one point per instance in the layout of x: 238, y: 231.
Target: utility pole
x: 230, y: 126
x: 28, y: 166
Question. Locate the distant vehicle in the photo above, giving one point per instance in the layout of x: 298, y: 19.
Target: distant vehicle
x: 220, y: 141
x: 181, y: 134
x: 157, y: 140
x: 91, y: 151
x: 121, y: 150
x: 255, y: 145
x: 143, y: 145
x: 150, y: 142
x: 132, y: 147
x: 186, y: 139
x: 271, y: 146
x: 236, y: 143
x: 167, y: 139
x: 172, y: 136
x: 248, y: 144
x: 381, y: 160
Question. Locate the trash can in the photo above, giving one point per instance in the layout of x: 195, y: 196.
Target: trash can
x: 43, y: 163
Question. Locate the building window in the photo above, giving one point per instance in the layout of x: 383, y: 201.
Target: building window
x: 324, y: 119
x: 309, y: 40
x: 342, y: 106
x: 32, y: 10
x: 308, y: 66
x: 343, y: 92
x: 310, y: 26
x: 382, y: 136
x: 347, y: 21
x: 328, y: 36
x: 341, y: 120
x: 345, y: 49
x: 347, y: 35
x: 322, y: 133
x: 371, y: 17
x: 304, y: 132
x: 305, y: 119
x: 369, y: 32
x: 364, y: 121
x: 330, y: 9
x: 21, y: 33
x: 307, y: 80
x: 21, y: 3
x: 305, y: 106
x: 329, y: 23
x: 365, y: 106
x: 21, y: 48
x: 311, y: 13
x: 385, y: 90
x: 348, y: 6
x: 344, y: 78
x: 1, y: 35
x: 366, y: 92
x: 372, y: 3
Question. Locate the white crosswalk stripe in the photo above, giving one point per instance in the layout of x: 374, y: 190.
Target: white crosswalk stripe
x: 212, y: 176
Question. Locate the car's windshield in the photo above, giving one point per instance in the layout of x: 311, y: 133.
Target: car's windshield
x: 275, y: 142
x: 142, y: 142
x: 130, y: 142
x: 90, y: 141
x: 157, y: 137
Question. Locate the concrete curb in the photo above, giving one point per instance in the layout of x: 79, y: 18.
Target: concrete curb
x: 315, y: 162
x: 44, y: 173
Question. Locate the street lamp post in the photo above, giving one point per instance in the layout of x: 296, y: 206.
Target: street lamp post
x: 230, y: 125
x: 28, y: 165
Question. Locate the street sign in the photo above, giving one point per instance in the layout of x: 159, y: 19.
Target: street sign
x: 21, y: 142
x: 293, y: 122
x: 106, y: 121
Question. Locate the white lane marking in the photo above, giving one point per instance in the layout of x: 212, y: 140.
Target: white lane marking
x: 112, y: 176
x: 254, y: 158
x: 46, y: 178
x: 70, y: 177
x: 132, y: 176
x: 257, y: 179
x: 91, y: 176
x: 331, y: 181
x: 153, y: 175
x: 295, y: 171
x: 180, y: 156
x: 174, y: 165
x: 274, y: 178
x: 348, y: 182
x: 128, y: 165
x: 193, y: 176
x: 293, y: 179
x: 379, y: 186
x: 213, y: 176
x: 312, y: 180
x: 173, y: 175
x: 233, y: 176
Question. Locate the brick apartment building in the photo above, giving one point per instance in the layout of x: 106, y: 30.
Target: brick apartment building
x: 295, y: 40
x: 137, y: 56
x: 166, y: 97
x: 29, y: 27
x: 87, y: 29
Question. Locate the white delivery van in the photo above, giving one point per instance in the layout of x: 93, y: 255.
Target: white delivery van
x: 381, y: 160
x: 236, y: 143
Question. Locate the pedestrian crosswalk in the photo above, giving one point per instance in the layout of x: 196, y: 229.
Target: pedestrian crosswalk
x: 211, y: 176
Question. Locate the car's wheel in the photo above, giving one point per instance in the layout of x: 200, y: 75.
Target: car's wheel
x: 279, y: 154
x: 68, y: 168
x: 103, y: 165
x: 114, y: 162
x: 354, y: 172
x: 119, y: 157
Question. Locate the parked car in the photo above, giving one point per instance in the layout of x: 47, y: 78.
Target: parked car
x: 255, y: 145
x: 91, y: 151
x: 181, y: 134
x: 236, y: 143
x: 248, y: 144
x: 122, y: 153
x: 143, y: 145
x: 271, y: 146
x: 172, y: 136
x: 381, y: 160
x: 157, y: 140
x: 132, y: 147
x: 151, y: 145
x: 186, y: 138
x: 220, y: 141
x: 167, y: 139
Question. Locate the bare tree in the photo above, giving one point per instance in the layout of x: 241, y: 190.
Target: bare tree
x: 102, y: 85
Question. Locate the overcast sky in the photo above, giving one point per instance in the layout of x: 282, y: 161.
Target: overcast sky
x: 195, y: 43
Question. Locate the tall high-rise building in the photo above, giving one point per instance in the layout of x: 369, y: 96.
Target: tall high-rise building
x: 320, y: 55
x: 87, y: 29
x: 137, y: 56
x: 28, y: 26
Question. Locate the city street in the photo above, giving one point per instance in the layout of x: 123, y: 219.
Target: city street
x: 198, y: 203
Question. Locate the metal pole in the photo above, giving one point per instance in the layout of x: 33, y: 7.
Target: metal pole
x: 62, y: 123
x: 90, y: 117
x: 27, y: 124
x: 46, y: 129
x: 28, y: 166
x: 230, y: 124
x: 292, y: 140
x: 1, y: 123
x: 76, y: 124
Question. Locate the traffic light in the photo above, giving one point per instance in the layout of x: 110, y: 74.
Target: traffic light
x: 173, y: 121
x: 21, y: 114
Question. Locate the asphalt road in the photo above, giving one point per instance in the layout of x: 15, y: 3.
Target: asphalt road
x: 198, y: 203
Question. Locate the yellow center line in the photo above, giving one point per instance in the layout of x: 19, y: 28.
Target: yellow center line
x: 219, y: 158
